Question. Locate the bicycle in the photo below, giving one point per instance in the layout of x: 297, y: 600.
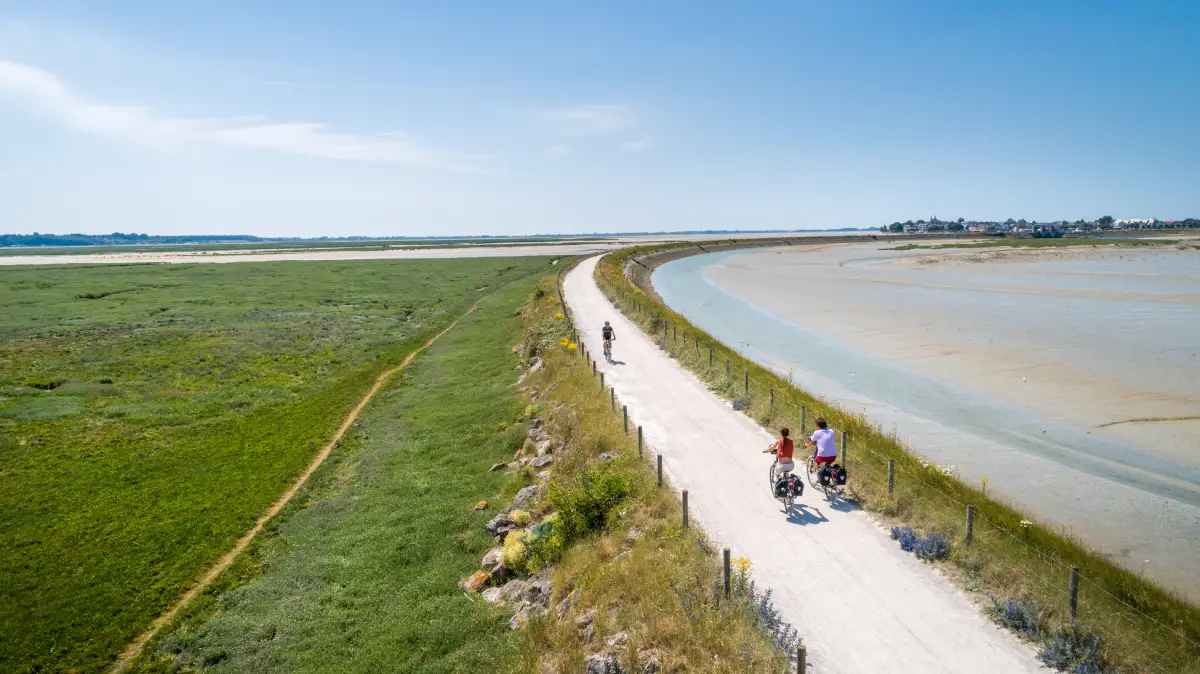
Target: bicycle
x: 793, y: 489
x: 814, y: 477
x: 608, y: 350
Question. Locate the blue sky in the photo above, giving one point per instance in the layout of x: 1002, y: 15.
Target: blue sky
x: 367, y: 118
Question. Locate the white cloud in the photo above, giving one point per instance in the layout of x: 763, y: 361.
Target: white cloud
x: 639, y: 145
x: 589, y: 120
x: 145, y: 126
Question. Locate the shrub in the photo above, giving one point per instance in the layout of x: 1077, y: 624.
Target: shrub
x: 519, y: 517
x: 514, y: 552
x: 933, y: 547
x: 1075, y: 652
x: 1022, y: 616
x: 544, y: 545
x: 907, y: 537
x: 583, y: 505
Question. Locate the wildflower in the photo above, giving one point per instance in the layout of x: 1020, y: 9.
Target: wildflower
x: 1026, y: 523
x: 558, y: 315
x: 572, y: 346
x: 984, y: 480
x: 741, y: 565
x: 564, y: 341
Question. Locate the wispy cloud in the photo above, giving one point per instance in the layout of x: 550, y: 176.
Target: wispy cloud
x: 148, y: 127
x: 639, y: 145
x: 589, y: 120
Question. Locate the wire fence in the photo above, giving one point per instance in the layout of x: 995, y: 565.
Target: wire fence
x: 999, y: 550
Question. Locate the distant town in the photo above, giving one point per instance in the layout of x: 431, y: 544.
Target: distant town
x: 1033, y: 228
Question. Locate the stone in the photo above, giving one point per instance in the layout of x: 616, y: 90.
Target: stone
x: 525, y: 612
x: 513, y: 589
x: 589, y: 633
x: 497, y: 466
x: 473, y: 582
x: 633, y: 535
x: 527, y: 494
x: 492, y: 559
x: 540, y: 587
x: 493, y: 595
x: 537, y: 422
x: 537, y: 434
x: 651, y: 661
x: 482, y: 505
x: 543, y: 476
x: 603, y: 663
x: 537, y: 365
x: 586, y: 619
x: 608, y: 456
x: 500, y: 523
x: 542, y: 461
x: 563, y: 607
x: 618, y: 640
x: 544, y: 447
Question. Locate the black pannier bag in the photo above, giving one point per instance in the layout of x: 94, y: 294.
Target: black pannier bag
x: 781, y: 485
x: 839, y: 474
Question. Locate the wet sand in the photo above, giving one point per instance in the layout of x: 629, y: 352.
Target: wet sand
x: 1066, y: 377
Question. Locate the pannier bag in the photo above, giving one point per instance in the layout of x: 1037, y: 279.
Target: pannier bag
x: 781, y: 485
x: 839, y: 474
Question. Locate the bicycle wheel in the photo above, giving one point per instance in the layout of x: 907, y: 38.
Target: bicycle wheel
x: 812, y: 473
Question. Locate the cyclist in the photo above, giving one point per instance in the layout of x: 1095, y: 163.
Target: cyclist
x: 825, y: 443
x: 608, y: 334
x: 783, y: 449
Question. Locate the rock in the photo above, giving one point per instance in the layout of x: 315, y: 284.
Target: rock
x: 586, y: 619
x: 537, y: 422
x: 589, y: 633
x: 522, y: 389
x: 481, y: 505
x: 633, y: 535
x: 608, y: 456
x: 500, y: 523
x: 493, y: 595
x: 543, y: 476
x: 473, y: 582
x: 544, y: 447
x: 540, y: 587
x: 492, y: 559
x: 542, y: 461
x: 564, y: 606
x: 525, y: 612
x: 537, y: 365
x: 497, y: 466
x: 651, y: 661
x: 513, y: 589
x: 537, y: 434
x: 528, y: 494
x: 603, y: 663
x: 618, y: 640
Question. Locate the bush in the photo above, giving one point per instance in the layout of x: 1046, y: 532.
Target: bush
x: 1022, y: 616
x: 583, y: 505
x: 1075, y: 652
x: 931, y: 548
x: 514, y: 552
x: 544, y: 545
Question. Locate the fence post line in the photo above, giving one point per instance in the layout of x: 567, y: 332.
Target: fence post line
x: 726, y: 368
x: 674, y: 333
x: 970, y: 524
x: 1074, y: 593
x: 710, y: 356
x: 803, y: 414
x: 639, y: 440
x: 612, y: 398
x: 772, y: 400
x: 660, y: 470
x: 685, y: 510
x: 601, y: 381
x: 746, y: 374
x: 625, y: 417
x: 891, y: 477
x: 845, y: 456
x: 801, y: 659
x: 726, y: 558
x: 593, y: 365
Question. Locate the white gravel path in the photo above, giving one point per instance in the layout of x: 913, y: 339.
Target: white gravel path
x: 862, y: 605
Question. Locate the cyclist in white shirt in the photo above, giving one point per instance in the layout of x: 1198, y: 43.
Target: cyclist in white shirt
x: 825, y: 442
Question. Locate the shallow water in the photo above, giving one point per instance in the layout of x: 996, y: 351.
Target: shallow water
x: 923, y: 361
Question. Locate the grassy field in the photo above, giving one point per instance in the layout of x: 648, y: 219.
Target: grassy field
x: 1143, y: 627
x: 360, y: 574
x: 148, y: 413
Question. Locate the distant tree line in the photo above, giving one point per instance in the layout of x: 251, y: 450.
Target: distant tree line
x: 115, y: 239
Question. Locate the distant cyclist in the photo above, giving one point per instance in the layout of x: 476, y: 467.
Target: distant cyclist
x: 823, y: 439
x: 608, y: 335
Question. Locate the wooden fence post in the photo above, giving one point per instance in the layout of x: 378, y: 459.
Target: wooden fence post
x: 891, y: 477
x: 747, y: 378
x: 801, y: 659
x: 660, y: 470
x: 727, y: 584
x: 639, y: 440
x: 1074, y: 593
x: 625, y: 417
x: 612, y: 398
x: 970, y: 524
x: 710, y: 356
x: 803, y: 413
x: 772, y: 400
x: 685, y: 509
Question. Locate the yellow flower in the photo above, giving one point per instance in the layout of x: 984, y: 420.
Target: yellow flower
x: 558, y: 315
x: 572, y: 345
x: 741, y: 565
x: 983, y: 480
x: 564, y: 341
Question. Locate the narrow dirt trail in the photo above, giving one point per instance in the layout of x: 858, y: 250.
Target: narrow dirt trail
x: 135, y: 648
x: 861, y: 604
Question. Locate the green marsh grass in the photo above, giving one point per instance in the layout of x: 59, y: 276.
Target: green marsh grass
x: 149, y: 413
